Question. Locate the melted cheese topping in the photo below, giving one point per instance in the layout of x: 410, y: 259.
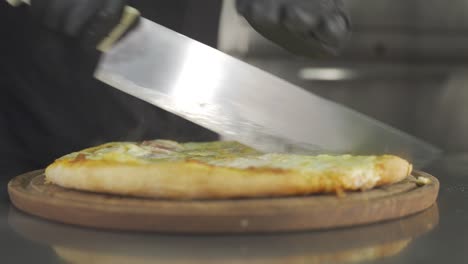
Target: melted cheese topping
x: 290, y: 161
x: 230, y: 155
x: 163, y: 150
x: 121, y: 152
x: 360, y: 168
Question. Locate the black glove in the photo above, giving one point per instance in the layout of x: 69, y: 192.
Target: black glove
x: 84, y: 21
x: 304, y: 27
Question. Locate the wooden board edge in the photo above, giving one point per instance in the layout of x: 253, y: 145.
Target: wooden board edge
x: 233, y: 225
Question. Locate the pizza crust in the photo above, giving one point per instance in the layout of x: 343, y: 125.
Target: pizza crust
x: 392, y: 169
x: 199, y: 180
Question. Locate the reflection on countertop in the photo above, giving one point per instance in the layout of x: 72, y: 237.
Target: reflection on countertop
x: 348, y: 245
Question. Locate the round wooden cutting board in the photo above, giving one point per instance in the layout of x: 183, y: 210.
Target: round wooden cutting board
x: 30, y: 193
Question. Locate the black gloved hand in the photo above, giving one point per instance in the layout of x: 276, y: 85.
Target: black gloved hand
x: 86, y: 21
x: 304, y: 27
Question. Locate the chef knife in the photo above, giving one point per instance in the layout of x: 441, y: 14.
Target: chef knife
x: 239, y: 101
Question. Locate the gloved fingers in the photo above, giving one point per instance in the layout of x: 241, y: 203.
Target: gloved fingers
x: 87, y: 21
x: 55, y: 13
x: 80, y: 11
x: 102, y: 23
x: 307, y: 26
x: 324, y: 23
x: 64, y: 16
x: 334, y: 31
x: 299, y: 20
x: 265, y: 12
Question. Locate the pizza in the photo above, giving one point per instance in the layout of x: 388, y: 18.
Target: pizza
x: 216, y: 170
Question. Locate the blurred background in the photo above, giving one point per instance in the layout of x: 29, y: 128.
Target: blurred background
x: 405, y: 63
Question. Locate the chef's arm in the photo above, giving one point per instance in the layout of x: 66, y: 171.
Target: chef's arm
x: 304, y: 27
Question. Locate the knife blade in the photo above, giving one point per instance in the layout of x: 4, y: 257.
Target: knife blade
x: 238, y: 100
x: 242, y: 102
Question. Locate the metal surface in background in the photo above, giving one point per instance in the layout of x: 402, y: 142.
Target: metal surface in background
x: 242, y: 102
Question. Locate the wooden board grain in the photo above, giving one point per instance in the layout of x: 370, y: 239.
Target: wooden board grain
x: 30, y: 193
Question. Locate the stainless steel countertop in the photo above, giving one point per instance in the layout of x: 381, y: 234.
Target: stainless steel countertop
x: 433, y: 236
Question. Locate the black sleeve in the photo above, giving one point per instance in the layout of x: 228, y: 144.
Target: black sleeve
x: 50, y: 103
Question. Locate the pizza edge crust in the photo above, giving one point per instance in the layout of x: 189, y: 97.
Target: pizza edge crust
x: 196, y: 180
x: 392, y: 169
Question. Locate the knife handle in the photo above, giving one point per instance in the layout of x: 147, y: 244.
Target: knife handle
x: 18, y: 2
x: 129, y: 16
